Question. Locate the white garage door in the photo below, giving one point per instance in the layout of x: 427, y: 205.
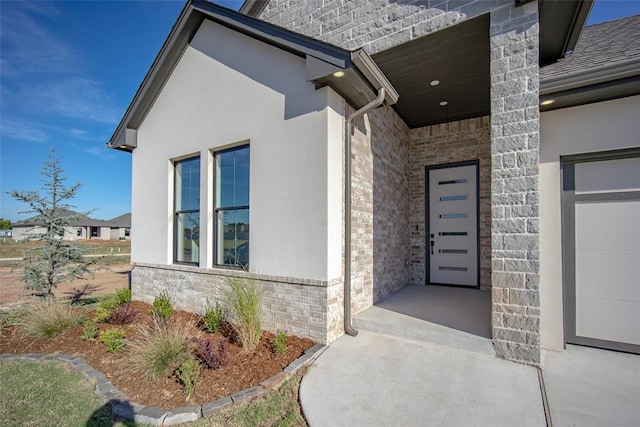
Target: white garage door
x: 605, y: 294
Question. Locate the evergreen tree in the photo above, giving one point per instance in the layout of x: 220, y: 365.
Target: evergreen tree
x: 5, y: 224
x: 57, y: 261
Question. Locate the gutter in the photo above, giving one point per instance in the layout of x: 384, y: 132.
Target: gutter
x: 604, y: 73
x: 348, y: 328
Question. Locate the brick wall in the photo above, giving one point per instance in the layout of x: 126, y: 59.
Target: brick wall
x: 515, y: 140
x: 380, y: 203
x: 298, y: 305
x: 447, y: 143
x: 375, y: 25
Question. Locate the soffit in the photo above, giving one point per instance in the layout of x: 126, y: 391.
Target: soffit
x: 458, y: 57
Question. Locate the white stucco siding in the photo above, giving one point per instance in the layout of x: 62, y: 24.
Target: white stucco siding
x: 595, y: 127
x: 229, y: 89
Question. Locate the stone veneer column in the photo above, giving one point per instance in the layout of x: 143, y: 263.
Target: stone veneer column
x: 515, y: 142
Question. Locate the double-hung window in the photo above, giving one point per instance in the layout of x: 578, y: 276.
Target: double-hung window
x: 187, y: 211
x: 231, y: 197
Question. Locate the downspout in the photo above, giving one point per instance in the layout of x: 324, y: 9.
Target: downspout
x: 348, y: 328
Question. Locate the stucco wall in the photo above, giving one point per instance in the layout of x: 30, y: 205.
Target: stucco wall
x: 448, y: 143
x: 595, y: 127
x: 230, y: 89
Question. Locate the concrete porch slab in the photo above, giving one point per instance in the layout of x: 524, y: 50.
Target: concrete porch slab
x: 455, y: 317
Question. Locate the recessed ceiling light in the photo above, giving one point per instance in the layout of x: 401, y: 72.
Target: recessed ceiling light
x: 548, y: 102
x: 434, y: 82
x: 338, y: 74
x: 443, y: 103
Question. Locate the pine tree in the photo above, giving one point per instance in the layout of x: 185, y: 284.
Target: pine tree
x: 57, y: 261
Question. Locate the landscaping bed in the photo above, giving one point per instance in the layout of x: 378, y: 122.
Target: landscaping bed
x: 241, y: 369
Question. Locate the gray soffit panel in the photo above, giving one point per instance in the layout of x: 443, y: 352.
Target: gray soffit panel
x: 359, y: 86
x: 458, y: 57
x: 253, y: 7
x: 561, y: 22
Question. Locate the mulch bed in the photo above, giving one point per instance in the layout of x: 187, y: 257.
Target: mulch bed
x: 242, y: 370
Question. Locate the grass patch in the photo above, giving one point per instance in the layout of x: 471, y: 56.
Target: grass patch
x: 46, y: 320
x: 279, y: 408
x: 52, y: 393
x: 161, y: 348
x: 49, y: 394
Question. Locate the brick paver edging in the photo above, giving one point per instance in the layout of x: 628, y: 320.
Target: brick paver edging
x: 122, y: 407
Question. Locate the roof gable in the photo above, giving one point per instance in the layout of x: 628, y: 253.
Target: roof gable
x: 359, y: 84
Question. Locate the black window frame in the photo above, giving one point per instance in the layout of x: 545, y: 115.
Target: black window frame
x: 217, y: 210
x: 177, y: 213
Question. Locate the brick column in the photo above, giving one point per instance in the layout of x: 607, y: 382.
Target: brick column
x: 515, y: 141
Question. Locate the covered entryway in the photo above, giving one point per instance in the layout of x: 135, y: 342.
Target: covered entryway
x: 601, y: 248
x: 452, y: 224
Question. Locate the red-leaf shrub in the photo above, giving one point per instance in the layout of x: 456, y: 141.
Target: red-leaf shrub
x: 206, y: 351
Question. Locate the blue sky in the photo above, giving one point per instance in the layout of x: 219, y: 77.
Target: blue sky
x: 68, y: 72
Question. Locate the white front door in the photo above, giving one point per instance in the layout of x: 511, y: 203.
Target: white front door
x: 452, y: 240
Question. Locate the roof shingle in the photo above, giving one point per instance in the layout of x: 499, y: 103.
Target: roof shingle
x: 602, y: 44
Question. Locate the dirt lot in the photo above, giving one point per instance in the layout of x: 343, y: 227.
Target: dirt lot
x: 103, y: 282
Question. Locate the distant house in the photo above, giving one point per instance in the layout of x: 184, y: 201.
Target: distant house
x: 494, y: 161
x: 120, y: 227
x: 80, y: 228
x: 6, y: 233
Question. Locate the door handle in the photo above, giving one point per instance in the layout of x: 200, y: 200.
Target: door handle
x: 433, y: 243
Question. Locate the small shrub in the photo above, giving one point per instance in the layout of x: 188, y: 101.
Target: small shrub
x: 189, y: 375
x: 161, y: 347
x: 90, y: 331
x: 279, y: 343
x: 102, y: 314
x: 46, y: 320
x: 162, y: 305
x: 110, y: 303
x: 122, y: 315
x: 212, y: 357
x: 113, y: 338
x: 245, y: 301
x: 214, y: 316
x: 123, y: 296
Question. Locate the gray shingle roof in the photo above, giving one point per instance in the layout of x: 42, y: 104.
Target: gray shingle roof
x: 122, y: 221
x: 602, y: 44
x: 79, y: 220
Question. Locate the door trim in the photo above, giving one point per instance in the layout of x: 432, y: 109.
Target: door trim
x: 567, y: 209
x: 427, y: 224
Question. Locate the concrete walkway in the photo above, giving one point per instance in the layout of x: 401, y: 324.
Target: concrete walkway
x: 380, y: 380
x: 591, y: 387
x: 418, y: 373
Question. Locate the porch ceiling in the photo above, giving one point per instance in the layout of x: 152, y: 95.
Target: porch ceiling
x: 458, y: 57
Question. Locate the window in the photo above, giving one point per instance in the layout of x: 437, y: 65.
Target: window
x: 127, y: 232
x: 231, y: 196
x: 79, y: 232
x: 187, y: 211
